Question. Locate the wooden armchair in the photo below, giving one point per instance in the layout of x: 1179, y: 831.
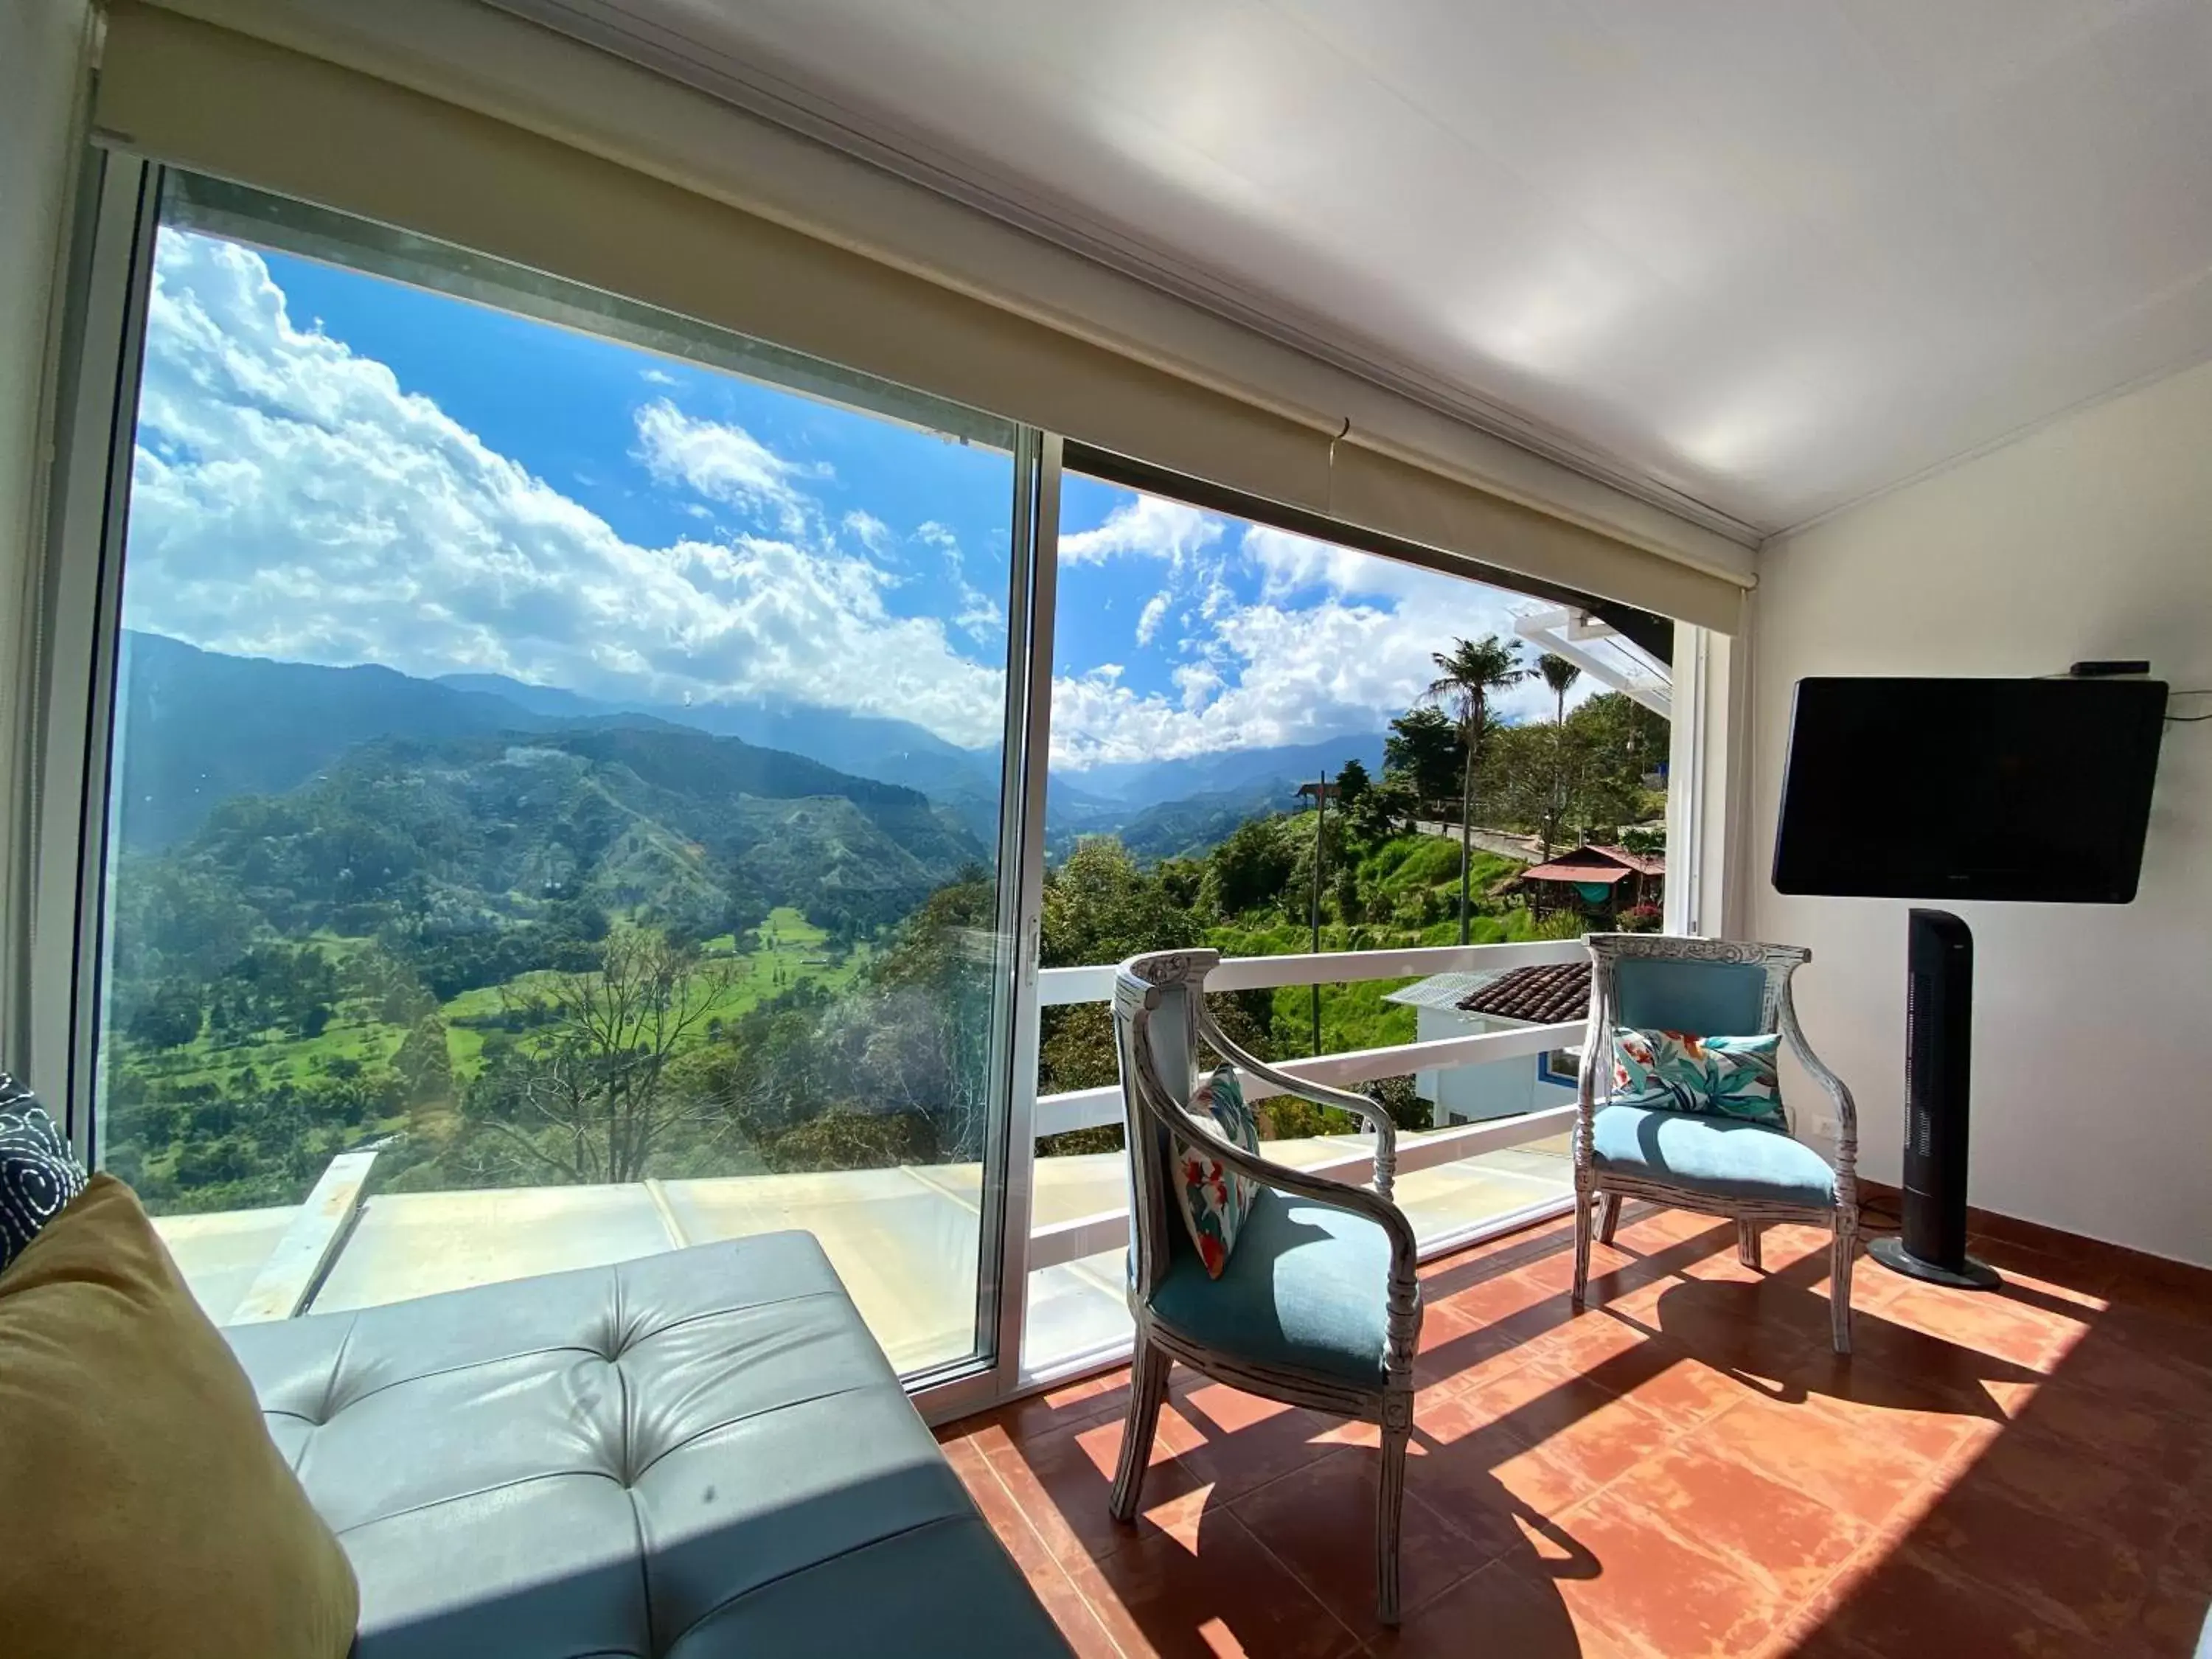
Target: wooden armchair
x: 1319, y: 1305
x: 1719, y: 1166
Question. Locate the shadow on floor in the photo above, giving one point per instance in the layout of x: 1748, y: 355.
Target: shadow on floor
x: 1684, y: 1468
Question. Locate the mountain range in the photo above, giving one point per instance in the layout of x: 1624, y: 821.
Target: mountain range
x: 199, y: 727
x: 461, y: 834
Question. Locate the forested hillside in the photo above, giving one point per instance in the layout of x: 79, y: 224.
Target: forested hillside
x: 321, y: 960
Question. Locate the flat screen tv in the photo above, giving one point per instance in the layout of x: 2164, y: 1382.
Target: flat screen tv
x: 1969, y: 789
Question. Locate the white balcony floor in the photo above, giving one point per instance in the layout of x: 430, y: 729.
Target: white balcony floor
x: 219, y: 1253
x: 904, y: 1240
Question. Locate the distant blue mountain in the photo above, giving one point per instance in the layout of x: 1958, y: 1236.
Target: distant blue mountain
x: 197, y: 728
x: 1137, y: 784
x: 866, y: 745
x: 1192, y: 825
x: 1164, y: 809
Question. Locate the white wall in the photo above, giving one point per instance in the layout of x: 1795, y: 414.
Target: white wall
x: 2092, y: 1029
x: 1480, y: 1094
x: 43, y: 47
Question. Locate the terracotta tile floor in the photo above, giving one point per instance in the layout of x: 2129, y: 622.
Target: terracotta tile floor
x: 1684, y: 1469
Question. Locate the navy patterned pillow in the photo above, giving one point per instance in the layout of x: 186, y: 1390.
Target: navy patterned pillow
x: 39, y: 1173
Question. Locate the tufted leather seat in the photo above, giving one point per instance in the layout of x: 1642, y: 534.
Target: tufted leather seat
x: 693, y: 1455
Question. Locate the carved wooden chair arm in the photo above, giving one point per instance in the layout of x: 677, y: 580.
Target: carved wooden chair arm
x: 1839, y: 1092
x: 1386, y: 1130
x: 1597, y: 1052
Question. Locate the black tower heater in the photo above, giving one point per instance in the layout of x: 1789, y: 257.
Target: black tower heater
x: 1939, y: 1031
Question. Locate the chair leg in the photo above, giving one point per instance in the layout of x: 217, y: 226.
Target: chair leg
x: 1610, y: 1218
x: 1148, y: 1386
x: 1583, y: 1203
x: 1747, y: 1243
x: 1389, y: 1511
x: 1841, y: 1252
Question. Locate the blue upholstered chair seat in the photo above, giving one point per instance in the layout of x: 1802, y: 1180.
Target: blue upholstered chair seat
x: 1719, y: 1158
x: 1303, y: 1289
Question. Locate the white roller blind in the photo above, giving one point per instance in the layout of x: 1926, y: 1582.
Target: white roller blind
x: 1417, y: 504
x: 219, y: 101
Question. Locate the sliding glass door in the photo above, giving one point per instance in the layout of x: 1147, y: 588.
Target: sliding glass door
x: 1262, y: 746
x: 559, y: 782
x: 556, y: 784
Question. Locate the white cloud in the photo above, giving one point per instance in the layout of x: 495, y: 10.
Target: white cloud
x: 1148, y: 620
x: 1148, y: 527
x: 871, y: 532
x: 1269, y: 674
x: 979, y: 615
x: 1290, y: 564
x: 723, y: 462
x: 1198, y: 682
x: 1337, y: 642
x: 291, y: 500
x: 656, y: 377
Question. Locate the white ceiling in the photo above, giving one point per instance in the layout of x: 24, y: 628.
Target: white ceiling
x: 1770, y: 254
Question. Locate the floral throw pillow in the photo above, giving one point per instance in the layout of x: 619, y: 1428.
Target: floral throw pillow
x: 1214, y: 1197
x: 1716, y: 1076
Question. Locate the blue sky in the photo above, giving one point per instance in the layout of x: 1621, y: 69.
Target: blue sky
x: 334, y: 468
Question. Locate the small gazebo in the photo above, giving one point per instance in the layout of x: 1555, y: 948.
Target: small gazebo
x: 1595, y: 881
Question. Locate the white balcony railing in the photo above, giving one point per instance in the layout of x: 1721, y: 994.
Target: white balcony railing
x: 1071, y: 1240
x: 903, y: 1237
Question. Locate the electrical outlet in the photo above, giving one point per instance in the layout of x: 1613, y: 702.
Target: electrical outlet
x: 1825, y: 1127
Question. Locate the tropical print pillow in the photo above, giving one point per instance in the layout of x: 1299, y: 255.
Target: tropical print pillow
x: 1716, y: 1076
x: 1214, y: 1197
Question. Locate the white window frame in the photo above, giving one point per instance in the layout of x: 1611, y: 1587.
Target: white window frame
x: 1707, y: 780
x: 74, y: 671
x: 73, y: 660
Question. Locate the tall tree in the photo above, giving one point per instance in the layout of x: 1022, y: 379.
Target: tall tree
x: 1468, y: 675
x: 1625, y: 744
x: 1424, y: 749
x: 1350, y: 784
x: 1560, y: 676
x: 593, y: 1103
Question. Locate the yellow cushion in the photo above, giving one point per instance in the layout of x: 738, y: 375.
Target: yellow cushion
x: 146, y: 1510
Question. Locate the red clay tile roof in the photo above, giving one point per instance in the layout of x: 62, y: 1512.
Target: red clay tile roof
x: 1543, y: 995
x: 1604, y: 875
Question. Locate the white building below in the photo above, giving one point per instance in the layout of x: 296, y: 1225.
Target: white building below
x: 1466, y: 1003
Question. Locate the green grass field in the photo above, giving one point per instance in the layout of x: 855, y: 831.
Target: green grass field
x: 790, y: 950
x: 1413, y: 879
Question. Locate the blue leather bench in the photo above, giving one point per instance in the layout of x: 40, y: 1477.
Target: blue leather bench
x: 690, y: 1456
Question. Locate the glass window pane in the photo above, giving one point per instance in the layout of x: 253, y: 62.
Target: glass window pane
x: 563, y: 774
x: 1261, y: 743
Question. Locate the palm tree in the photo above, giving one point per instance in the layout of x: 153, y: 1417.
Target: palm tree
x: 1561, y: 675
x: 1467, y: 676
